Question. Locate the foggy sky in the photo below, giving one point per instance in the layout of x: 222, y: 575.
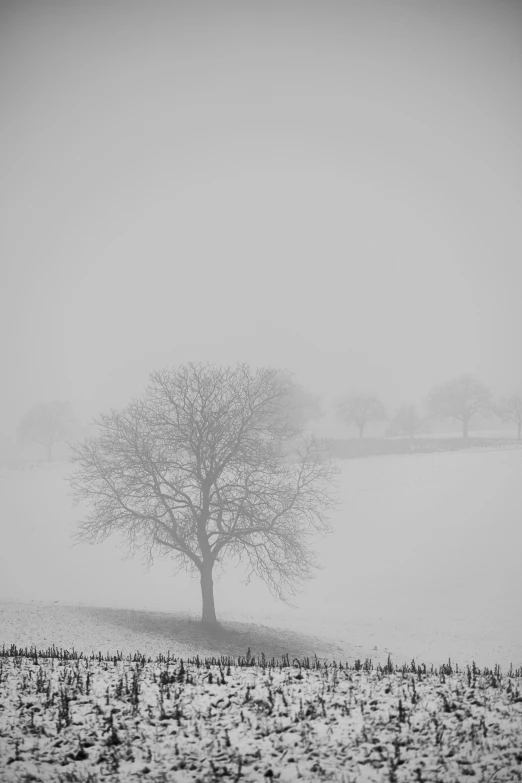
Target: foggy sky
x: 332, y: 188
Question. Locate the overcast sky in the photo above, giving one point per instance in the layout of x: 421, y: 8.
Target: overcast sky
x: 331, y: 188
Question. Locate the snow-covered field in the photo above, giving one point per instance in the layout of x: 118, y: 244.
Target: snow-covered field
x: 424, y: 562
x: 170, y: 720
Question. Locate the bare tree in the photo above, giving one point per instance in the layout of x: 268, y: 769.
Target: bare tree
x: 407, y: 422
x: 510, y: 409
x: 198, y: 469
x: 302, y: 406
x: 47, y: 423
x: 462, y: 398
x: 360, y: 409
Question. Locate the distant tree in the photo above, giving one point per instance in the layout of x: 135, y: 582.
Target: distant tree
x: 462, y: 398
x: 407, y: 422
x: 47, y: 423
x: 198, y: 469
x: 360, y: 409
x: 301, y: 406
x: 510, y: 409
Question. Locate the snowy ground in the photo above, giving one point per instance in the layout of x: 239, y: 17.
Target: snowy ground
x: 108, y: 630
x: 424, y: 562
x: 195, y: 721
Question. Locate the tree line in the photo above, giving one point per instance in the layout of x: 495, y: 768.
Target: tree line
x: 463, y: 399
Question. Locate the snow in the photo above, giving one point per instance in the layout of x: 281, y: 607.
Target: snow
x: 167, y: 721
x: 108, y: 630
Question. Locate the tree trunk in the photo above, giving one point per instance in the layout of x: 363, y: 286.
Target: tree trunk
x: 519, y: 430
x: 465, y: 427
x: 208, y: 614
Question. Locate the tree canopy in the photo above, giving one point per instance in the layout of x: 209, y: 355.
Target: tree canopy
x: 407, y: 422
x: 198, y: 469
x: 360, y: 409
x: 462, y: 398
x: 46, y: 423
x: 301, y: 406
x: 509, y: 408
